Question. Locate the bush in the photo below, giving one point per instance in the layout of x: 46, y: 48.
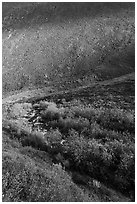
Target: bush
x: 77, y: 124
x: 50, y: 115
x: 35, y: 139
x: 51, y: 112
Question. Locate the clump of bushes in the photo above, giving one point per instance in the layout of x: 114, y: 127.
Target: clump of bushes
x: 103, y: 161
x: 49, y: 110
x: 113, y: 119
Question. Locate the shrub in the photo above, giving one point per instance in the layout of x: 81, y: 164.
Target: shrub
x: 77, y: 124
x: 49, y: 115
x: 51, y: 112
x: 15, y: 129
x: 53, y: 136
x: 35, y: 139
x: 97, y: 132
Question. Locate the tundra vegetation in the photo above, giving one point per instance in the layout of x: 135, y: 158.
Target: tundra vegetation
x: 75, y: 145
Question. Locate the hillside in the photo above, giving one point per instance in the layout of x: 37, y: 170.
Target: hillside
x: 45, y: 45
x: 68, y: 102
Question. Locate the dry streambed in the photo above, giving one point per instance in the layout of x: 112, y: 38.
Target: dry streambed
x: 37, y: 121
x: 50, y: 122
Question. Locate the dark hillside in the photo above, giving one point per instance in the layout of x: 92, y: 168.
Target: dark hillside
x: 50, y: 11
x: 77, y: 43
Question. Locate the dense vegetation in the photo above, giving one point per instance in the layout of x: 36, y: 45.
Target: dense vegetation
x: 95, y: 140
x: 77, y: 143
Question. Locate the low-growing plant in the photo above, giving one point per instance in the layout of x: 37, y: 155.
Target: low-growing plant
x: 35, y: 139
